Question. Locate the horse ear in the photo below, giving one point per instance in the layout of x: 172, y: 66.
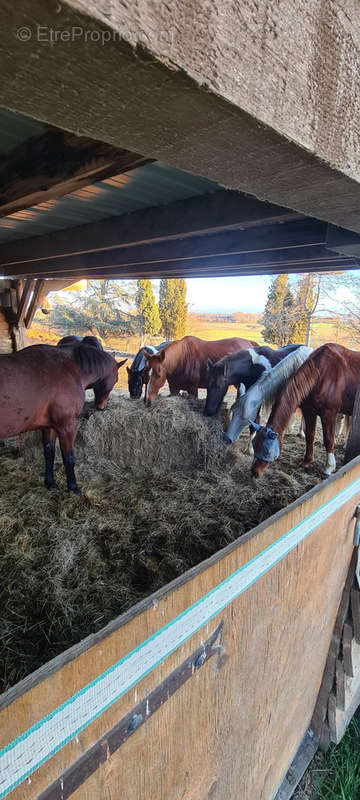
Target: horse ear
x: 121, y: 363
x: 129, y: 370
x: 161, y: 355
x: 209, y: 364
x: 225, y: 369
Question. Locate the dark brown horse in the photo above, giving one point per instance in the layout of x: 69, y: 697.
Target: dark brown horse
x: 44, y: 387
x: 184, y: 363
x: 325, y: 386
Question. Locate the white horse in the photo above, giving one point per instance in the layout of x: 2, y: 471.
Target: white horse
x: 263, y: 392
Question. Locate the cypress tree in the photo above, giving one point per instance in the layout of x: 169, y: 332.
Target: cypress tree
x: 150, y: 322
x: 278, y: 319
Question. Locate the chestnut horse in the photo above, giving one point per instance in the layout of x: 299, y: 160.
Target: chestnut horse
x: 44, y: 387
x: 138, y: 375
x: 325, y: 386
x: 184, y: 363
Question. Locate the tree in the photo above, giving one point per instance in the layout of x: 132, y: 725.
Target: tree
x: 149, y: 317
x: 173, y: 307
x: 99, y: 309
x: 306, y: 303
x: 278, y: 319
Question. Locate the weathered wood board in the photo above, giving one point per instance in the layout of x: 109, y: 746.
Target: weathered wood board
x: 232, y: 725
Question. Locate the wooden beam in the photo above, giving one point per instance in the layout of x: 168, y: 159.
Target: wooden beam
x: 353, y: 443
x: 197, y: 216
x: 57, y: 163
x: 28, y: 288
x: 35, y: 302
x: 195, y: 269
x: 290, y: 241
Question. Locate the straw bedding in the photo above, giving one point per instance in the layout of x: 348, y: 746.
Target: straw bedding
x: 160, y: 493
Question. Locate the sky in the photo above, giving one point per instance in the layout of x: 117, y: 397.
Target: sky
x: 227, y: 294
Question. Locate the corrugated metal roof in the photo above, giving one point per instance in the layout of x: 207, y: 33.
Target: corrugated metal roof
x: 16, y: 129
x: 147, y: 186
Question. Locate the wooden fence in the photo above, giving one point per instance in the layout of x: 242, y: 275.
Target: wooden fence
x: 205, y: 690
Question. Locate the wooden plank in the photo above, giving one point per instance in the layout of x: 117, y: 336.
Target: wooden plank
x: 257, y: 699
x: 87, y: 764
x: 35, y: 302
x: 320, y: 710
x: 303, y: 757
x: 28, y: 288
x: 340, y: 684
x: 340, y: 717
x: 347, y: 651
x: 355, y: 612
x: 353, y: 443
x: 57, y: 163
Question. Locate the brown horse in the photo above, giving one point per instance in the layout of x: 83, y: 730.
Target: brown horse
x: 324, y: 386
x: 44, y: 387
x: 184, y: 363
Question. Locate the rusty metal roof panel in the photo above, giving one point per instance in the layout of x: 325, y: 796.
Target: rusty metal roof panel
x: 144, y: 187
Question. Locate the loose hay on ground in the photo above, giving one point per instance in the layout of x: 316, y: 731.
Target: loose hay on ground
x: 160, y: 494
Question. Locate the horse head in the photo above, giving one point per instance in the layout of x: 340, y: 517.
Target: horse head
x: 266, y: 448
x: 217, y: 385
x: 156, y: 364
x: 103, y: 386
x: 136, y: 379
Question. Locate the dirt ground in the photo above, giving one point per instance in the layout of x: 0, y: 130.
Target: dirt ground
x: 160, y: 493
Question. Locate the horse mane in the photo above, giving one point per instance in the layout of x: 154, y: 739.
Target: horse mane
x: 294, y: 392
x: 90, y: 359
x: 272, y: 381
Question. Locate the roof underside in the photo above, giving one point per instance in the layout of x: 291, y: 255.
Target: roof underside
x: 141, y: 218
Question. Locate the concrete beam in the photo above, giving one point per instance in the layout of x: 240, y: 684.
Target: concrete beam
x: 261, y: 97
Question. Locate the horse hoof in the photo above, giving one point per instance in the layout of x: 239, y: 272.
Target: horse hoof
x: 74, y: 489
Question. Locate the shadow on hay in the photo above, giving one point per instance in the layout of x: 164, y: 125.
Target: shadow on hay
x: 160, y: 494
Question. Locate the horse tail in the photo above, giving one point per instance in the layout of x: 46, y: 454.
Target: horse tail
x: 294, y: 392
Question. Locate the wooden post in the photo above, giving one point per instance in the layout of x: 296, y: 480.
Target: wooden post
x: 353, y: 442
x: 34, y: 302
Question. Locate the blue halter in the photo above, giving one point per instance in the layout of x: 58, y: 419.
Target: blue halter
x: 270, y: 449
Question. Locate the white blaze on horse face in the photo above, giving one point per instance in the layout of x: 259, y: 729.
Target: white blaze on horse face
x: 258, y: 359
x: 330, y: 465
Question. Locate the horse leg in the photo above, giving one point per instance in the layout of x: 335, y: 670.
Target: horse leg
x: 328, y: 421
x: 193, y: 392
x: 49, y: 438
x: 67, y: 437
x: 309, y: 417
x: 252, y: 433
x: 301, y: 433
x: 339, y: 427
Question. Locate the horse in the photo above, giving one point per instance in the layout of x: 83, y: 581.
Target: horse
x: 44, y: 387
x: 244, y: 367
x: 264, y: 392
x: 184, y: 364
x: 324, y: 386
x: 137, y: 373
